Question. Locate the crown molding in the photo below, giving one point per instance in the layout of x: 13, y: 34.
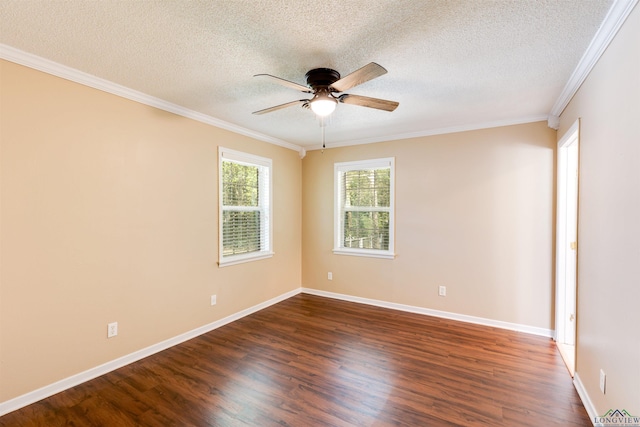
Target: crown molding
x: 432, y: 132
x: 50, y: 67
x: 553, y: 122
x: 618, y: 13
x: 614, y: 19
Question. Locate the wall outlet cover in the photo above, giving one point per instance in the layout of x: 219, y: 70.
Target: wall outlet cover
x: 112, y: 329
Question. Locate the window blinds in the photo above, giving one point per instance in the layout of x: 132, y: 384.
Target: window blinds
x: 364, y: 200
x: 245, y: 205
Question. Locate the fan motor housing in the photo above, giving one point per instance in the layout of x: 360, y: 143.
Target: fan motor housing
x: 321, y: 77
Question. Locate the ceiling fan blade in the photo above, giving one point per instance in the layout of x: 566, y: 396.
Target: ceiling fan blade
x: 287, y: 83
x: 365, y: 101
x: 281, y: 106
x: 364, y: 74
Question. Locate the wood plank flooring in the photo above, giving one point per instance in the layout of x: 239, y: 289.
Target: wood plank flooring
x: 312, y: 361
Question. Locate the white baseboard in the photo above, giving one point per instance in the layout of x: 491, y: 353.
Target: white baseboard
x: 436, y: 313
x: 584, y: 396
x: 74, y: 380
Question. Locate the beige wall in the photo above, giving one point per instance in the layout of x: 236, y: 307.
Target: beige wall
x: 108, y: 212
x: 474, y: 212
x: 608, y: 105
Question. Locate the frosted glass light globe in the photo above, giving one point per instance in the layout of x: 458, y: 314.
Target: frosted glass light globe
x: 322, y: 104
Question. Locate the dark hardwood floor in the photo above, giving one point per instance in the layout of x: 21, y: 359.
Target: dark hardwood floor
x: 312, y: 361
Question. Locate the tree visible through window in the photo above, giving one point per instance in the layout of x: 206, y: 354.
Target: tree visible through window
x: 241, y: 212
x: 364, y: 202
x: 245, y: 207
x: 366, y: 189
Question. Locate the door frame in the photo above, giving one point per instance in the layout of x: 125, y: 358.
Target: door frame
x: 566, y: 232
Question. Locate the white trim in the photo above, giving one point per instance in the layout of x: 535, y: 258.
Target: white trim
x: 533, y: 330
x: 617, y: 14
x: 50, y: 67
x: 371, y: 253
x: 340, y: 168
x: 584, y: 396
x: 432, y: 132
x: 241, y: 259
x: 246, y: 158
x: 571, y: 136
x: 265, y: 205
x: 74, y: 380
x: 614, y: 19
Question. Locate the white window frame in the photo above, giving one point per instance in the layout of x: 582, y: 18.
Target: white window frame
x: 338, y: 245
x: 265, y: 205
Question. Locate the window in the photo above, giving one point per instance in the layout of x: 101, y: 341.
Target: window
x: 364, y: 208
x: 245, y: 207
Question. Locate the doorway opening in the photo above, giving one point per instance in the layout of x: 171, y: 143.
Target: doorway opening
x: 567, y: 245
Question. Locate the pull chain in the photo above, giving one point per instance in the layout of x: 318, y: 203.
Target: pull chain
x: 323, y: 120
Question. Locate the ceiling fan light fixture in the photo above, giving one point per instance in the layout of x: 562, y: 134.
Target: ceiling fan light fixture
x: 325, y: 83
x: 323, y: 104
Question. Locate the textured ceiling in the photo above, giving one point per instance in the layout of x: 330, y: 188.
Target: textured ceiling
x: 450, y: 63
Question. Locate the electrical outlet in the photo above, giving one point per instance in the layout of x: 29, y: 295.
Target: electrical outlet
x: 112, y: 329
x: 214, y: 299
x: 330, y: 276
x: 442, y: 291
x: 603, y: 381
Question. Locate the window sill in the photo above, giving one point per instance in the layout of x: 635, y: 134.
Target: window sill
x: 241, y: 259
x: 371, y: 253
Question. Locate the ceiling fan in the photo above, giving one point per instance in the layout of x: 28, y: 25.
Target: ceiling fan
x: 325, y: 83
